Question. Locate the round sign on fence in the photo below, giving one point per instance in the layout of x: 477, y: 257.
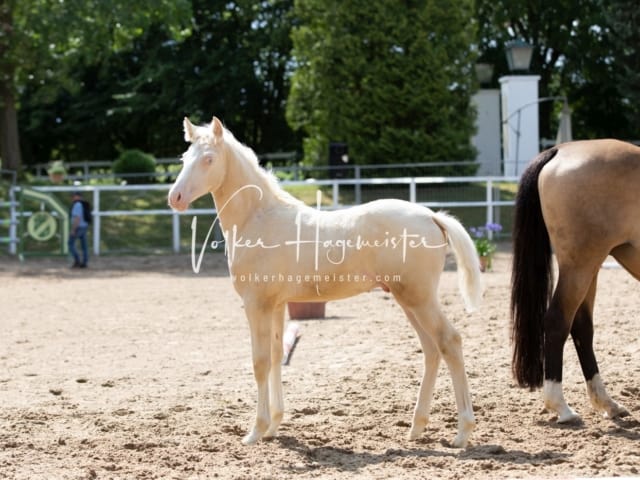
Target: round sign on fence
x: 42, y: 226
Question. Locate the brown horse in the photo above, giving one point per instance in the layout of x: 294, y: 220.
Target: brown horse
x: 579, y: 200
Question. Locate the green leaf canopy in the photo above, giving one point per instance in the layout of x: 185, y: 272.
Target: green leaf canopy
x: 391, y: 79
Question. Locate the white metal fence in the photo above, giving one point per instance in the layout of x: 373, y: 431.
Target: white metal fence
x: 169, y: 169
x: 408, y: 188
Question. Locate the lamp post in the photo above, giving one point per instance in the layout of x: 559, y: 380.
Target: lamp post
x: 518, y: 54
x: 519, y: 95
x: 484, y: 73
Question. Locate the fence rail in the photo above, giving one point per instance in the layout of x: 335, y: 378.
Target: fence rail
x: 342, y: 194
x: 100, y: 169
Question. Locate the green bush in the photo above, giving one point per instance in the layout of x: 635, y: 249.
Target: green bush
x: 131, y: 164
x: 57, y: 167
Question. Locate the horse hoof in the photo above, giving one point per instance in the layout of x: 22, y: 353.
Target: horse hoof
x: 615, y: 411
x: 465, y: 427
x: 569, y: 417
x: 460, y: 441
x: 251, y: 438
x: 418, y: 427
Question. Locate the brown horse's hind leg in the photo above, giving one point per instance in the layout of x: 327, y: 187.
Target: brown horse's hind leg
x: 571, y: 291
x: 582, y: 334
x: 629, y: 257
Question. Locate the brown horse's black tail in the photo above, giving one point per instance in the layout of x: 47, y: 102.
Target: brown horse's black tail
x: 531, y: 277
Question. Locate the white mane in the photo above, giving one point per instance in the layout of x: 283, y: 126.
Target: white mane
x: 250, y: 159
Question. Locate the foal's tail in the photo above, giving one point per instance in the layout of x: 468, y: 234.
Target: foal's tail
x: 531, y: 277
x: 467, y: 258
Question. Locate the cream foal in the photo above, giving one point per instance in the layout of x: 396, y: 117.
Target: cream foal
x: 300, y: 253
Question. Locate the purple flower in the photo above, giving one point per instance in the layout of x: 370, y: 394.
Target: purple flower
x: 477, y: 232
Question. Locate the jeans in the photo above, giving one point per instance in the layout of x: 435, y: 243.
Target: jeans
x: 81, y: 234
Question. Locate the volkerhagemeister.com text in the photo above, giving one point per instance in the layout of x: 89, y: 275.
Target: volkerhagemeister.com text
x: 314, y: 278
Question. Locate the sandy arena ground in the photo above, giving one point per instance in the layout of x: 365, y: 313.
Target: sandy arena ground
x: 139, y: 368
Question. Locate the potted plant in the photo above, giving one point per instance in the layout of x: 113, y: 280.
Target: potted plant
x: 305, y: 310
x: 57, y: 172
x: 485, y: 246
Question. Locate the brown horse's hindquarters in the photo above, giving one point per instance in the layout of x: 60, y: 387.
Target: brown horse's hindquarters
x: 628, y: 255
x: 588, y: 196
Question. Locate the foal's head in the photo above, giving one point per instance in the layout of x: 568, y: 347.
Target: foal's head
x: 202, y: 164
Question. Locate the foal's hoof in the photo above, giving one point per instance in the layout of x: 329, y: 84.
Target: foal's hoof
x: 270, y: 433
x: 466, y: 424
x: 460, y: 441
x: 251, y: 438
x: 418, y: 428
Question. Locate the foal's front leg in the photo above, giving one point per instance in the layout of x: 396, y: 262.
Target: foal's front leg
x: 276, y: 398
x: 260, y: 326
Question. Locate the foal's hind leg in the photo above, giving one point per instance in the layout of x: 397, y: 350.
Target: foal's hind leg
x: 431, y: 363
x: 276, y: 398
x: 449, y: 344
x: 582, y: 334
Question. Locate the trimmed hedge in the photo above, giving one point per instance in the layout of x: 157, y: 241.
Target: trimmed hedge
x: 132, y: 164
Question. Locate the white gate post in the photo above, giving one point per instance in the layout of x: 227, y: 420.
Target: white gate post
x: 96, y: 221
x: 412, y: 190
x: 175, y: 227
x: 520, y: 134
x: 489, y: 198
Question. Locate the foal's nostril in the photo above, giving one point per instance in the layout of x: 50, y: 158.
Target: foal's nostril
x: 174, y: 198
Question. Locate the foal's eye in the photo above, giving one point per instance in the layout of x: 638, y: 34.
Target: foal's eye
x: 208, y: 160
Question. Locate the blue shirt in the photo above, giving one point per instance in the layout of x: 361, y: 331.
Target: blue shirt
x: 77, y: 211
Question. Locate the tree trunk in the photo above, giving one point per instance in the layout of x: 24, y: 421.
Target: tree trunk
x: 9, y: 140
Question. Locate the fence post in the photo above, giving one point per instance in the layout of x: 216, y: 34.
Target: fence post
x: 489, y: 198
x: 13, y: 225
x: 96, y: 221
x: 336, y: 194
x: 412, y: 190
x: 358, y: 192
x: 175, y: 227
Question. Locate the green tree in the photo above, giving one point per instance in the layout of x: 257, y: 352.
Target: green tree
x: 41, y: 39
x: 391, y: 79
x: 575, y: 54
x: 623, y: 29
x: 234, y: 64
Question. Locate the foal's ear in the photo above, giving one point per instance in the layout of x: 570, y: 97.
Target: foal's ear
x: 216, y: 128
x: 188, y: 130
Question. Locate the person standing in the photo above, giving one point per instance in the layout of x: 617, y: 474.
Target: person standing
x: 78, y: 231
